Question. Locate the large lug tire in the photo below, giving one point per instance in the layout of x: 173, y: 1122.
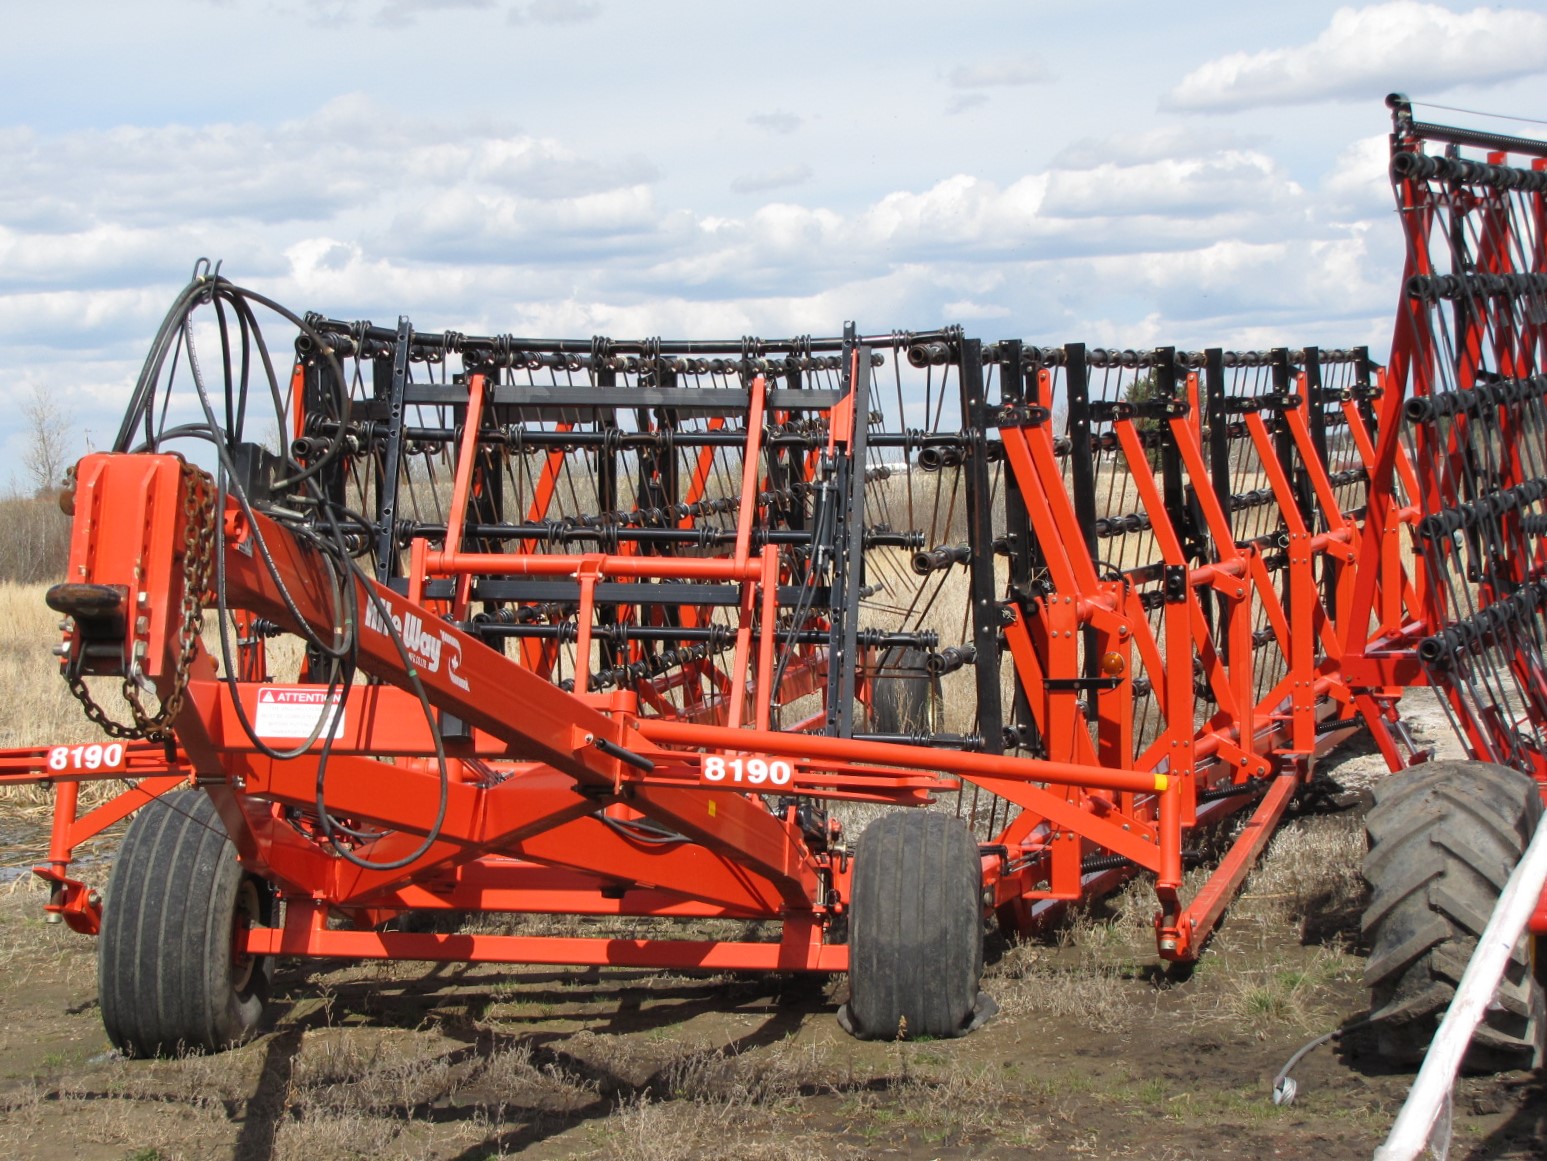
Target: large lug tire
x: 905, y: 697
x: 1443, y: 839
x: 168, y: 975
x: 915, y: 930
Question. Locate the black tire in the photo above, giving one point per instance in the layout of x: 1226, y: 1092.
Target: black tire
x: 904, y: 696
x: 167, y: 974
x: 1443, y: 839
x: 915, y: 930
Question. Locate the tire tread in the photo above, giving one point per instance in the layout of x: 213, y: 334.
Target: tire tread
x: 916, y: 932
x: 1443, y: 839
x: 164, y: 964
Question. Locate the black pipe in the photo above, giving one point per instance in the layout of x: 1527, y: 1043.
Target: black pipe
x: 945, y: 556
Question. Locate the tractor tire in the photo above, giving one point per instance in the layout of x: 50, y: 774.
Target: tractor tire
x: 915, y: 930
x: 169, y: 979
x: 904, y: 695
x: 1443, y: 839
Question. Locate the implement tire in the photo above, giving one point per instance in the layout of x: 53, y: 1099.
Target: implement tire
x: 915, y: 930
x: 167, y: 973
x: 1443, y: 839
x: 905, y: 697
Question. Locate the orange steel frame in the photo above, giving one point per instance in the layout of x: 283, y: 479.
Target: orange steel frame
x: 537, y: 775
x: 521, y: 831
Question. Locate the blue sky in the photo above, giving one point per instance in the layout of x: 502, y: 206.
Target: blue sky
x: 1118, y: 173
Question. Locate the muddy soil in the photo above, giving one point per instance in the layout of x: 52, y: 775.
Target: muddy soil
x: 1099, y: 1052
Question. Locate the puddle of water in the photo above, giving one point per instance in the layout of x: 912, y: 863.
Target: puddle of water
x: 24, y: 844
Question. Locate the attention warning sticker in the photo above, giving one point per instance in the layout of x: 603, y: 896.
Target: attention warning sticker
x: 292, y: 711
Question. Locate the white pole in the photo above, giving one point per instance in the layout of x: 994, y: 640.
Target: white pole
x: 1430, y: 1093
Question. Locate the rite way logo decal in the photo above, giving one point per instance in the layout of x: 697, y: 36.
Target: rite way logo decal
x: 423, y: 646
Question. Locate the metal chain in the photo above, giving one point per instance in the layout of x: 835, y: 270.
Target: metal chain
x: 198, y: 545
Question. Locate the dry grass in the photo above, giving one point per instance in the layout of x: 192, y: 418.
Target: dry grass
x: 1307, y: 884
x: 29, y: 944
x: 36, y: 545
x: 1268, y: 994
x: 40, y: 709
x: 1097, y: 968
x: 704, y: 1099
x: 600, y: 1076
x: 1309, y: 878
x: 1288, y: 937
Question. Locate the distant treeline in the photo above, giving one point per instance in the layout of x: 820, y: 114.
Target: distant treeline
x: 34, y: 539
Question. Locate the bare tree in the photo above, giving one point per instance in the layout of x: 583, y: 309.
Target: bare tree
x: 49, y: 436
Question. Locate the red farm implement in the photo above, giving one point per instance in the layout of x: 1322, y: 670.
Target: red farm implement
x: 644, y: 629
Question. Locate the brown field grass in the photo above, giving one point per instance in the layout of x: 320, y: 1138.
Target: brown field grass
x: 40, y: 709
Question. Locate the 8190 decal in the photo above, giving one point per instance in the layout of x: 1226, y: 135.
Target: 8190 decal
x: 80, y: 759
x: 745, y: 771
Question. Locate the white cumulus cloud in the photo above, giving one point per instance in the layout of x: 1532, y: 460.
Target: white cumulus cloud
x: 1189, y: 236
x: 1402, y: 44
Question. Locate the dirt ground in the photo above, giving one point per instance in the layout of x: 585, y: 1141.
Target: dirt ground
x: 1098, y: 1051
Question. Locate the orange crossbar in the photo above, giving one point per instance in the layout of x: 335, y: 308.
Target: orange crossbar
x: 681, y: 954
x: 1200, y: 916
